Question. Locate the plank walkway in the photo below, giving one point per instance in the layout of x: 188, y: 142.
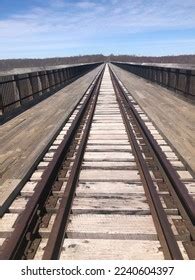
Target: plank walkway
x: 111, y: 215
x: 103, y: 224
x: 24, y: 137
x: 172, y: 115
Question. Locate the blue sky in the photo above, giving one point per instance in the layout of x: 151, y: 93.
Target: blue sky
x: 46, y: 28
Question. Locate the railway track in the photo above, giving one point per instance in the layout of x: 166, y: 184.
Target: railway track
x: 109, y: 187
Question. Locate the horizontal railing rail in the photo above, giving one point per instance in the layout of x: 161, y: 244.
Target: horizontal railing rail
x: 178, y: 79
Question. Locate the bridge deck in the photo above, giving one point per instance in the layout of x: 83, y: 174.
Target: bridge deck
x: 24, y: 137
x: 172, y: 115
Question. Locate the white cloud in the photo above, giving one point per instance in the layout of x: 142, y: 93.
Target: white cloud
x: 85, y: 4
x: 75, y: 24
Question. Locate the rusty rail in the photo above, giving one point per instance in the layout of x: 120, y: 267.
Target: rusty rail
x: 56, y: 237
x: 179, y: 187
x: 27, y: 223
x: 161, y: 220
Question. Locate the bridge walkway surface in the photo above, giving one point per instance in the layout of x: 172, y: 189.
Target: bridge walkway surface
x: 23, y: 138
x: 172, y: 114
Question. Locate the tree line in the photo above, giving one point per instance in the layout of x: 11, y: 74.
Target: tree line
x: 9, y: 64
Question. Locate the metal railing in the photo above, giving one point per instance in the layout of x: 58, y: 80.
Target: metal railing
x: 178, y: 79
x: 21, y: 89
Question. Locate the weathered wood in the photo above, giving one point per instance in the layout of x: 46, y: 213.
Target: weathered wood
x: 96, y: 148
x: 185, y: 175
x: 109, y: 175
x: 107, y: 137
x: 112, y: 156
x: 109, y: 164
x: 2, y: 241
x: 129, y: 204
x: 173, y: 116
x: 28, y: 188
x: 7, y: 224
x: 20, y: 149
x: 101, y: 188
x: 7, y: 192
x: 111, y: 227
x: 18, y: 205
x: 109, y: 132
x: 111, y: 249
x: 107, y: 142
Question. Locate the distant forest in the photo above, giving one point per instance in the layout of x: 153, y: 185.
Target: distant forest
x: 9, y: 64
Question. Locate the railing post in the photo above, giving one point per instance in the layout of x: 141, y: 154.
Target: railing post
x: 1, y: 102
x: 192, y: 83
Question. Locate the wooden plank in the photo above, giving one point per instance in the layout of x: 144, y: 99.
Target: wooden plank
x: 109, y: 164
x: 190, y: 187
x: 18, y: 205
x: 1, y: 241
x: 109, y: 175
x: 99, y: 148
x: 173, y: 116
x: 108, y: 132
x: 108, y: 137
x: 111, y: 227
x: 112, y: 156
x: 20, y: 149
x: 37, y: 175
x: 92, y: 249
x: 185, y: 175
x: 108, y: 142
x: 107, y: 116
x: 28, y: 188
x: 102, y: 113
x: 107, y: 127
x: 89, y: 188
x: 7, y: 223
x: 7, y: 193
x: 131, y: 204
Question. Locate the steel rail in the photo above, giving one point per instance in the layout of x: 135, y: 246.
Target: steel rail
x: 173, y: 177
x: 31, y: 170
x: 166, y: 233
x: 56, y: 237
x: 14, y: 247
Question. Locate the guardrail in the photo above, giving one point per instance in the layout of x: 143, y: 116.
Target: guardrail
x: 177, y: 79
x: 18, y: 91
